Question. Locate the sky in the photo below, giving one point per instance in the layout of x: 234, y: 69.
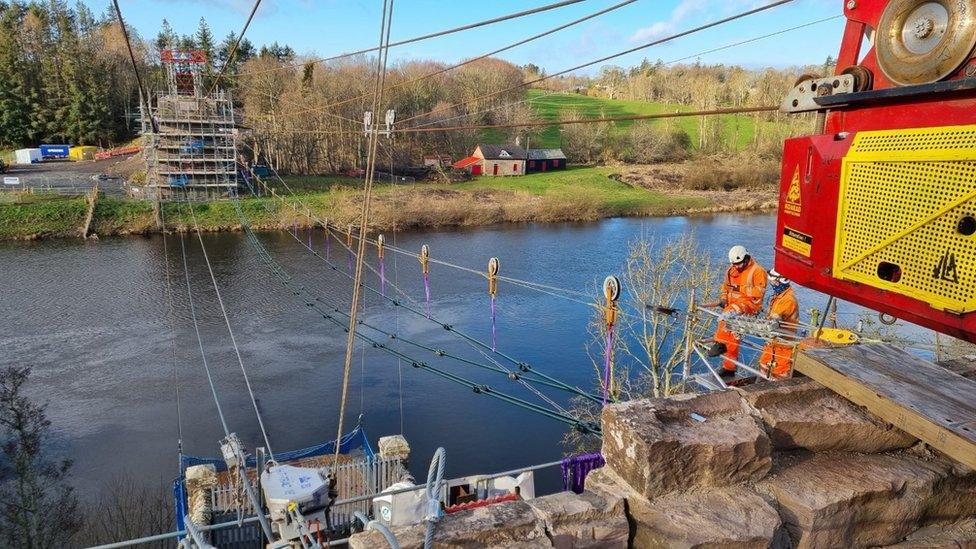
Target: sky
x: 329, y: 27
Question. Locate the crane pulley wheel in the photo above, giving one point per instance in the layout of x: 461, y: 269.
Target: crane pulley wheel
x: 863, y: 78
x: 923, y: 41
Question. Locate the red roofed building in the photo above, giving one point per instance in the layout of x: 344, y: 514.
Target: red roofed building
x: 471, y: 163
x: 495, y: 160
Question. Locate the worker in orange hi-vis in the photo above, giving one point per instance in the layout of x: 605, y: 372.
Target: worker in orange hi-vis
x: 784, y: 310
x: 743, y: 289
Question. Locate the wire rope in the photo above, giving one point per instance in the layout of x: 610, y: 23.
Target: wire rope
x: 437, y: 34
x: 333, y: 309
x: 609, y: 57
x: 385, y: 25
x: 584, y: 426
x: 233, y: 50
x: 471, y: 60
x: 230, y: 331
x: 176, y: 366
x: 196, y: 329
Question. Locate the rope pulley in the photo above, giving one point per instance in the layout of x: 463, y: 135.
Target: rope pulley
x: 492, y: 274
x: 380, y: 252
x: 611, y: 292
x: 424, y: 258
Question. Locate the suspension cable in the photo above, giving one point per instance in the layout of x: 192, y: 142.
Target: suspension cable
x: 196, y: 329
x: 313, y: 301
x: 385, y: 25
x: 482, y: 346
x: 176, y: 366
x: 230, y: 331
x: 607, y: 57
x: 671, y: 62
x: 562, y: 416
x: 437, y: 34
x: 144, y: 92
x: 471, y: 60
x: 233, y: 50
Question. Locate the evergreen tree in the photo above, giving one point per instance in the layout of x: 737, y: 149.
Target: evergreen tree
x: 38, y: 508
x: 15, y: 88
x: 166, y: 38
x: 205, y: 43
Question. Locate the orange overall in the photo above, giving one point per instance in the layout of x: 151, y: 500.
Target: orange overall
x: 777, y: 356
x: 742, y: 293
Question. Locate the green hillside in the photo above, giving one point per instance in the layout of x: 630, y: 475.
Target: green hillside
x: 739, y: 128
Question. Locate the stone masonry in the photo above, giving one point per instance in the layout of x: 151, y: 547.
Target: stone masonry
x: 777, y: 465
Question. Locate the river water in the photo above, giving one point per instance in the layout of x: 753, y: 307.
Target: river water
x: 94, y: 322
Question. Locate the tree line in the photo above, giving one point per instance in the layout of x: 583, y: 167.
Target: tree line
x: 65, y: 76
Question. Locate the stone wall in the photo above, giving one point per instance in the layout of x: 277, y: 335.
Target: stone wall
x: 784, y: 465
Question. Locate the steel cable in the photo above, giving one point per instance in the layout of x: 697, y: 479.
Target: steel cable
x: 230, y: 331
x: 437, y: 34
x: 608, y: 57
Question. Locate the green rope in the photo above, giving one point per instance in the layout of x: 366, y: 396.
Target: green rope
x: 286, y: 279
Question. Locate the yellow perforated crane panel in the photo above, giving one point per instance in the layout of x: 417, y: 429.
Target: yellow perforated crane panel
x: 906, y: 215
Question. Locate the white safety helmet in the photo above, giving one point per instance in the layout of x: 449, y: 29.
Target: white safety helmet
x: 737, y: 254
x: 775, y: 276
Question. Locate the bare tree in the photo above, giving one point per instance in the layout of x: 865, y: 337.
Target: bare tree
x: 648, y: 350
x: 128, y: 509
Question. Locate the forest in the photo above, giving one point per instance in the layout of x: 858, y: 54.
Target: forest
x: 65, y: 76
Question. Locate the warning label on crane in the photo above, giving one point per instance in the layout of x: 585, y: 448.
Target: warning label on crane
x: 797, y: 241
x: 793, y: 196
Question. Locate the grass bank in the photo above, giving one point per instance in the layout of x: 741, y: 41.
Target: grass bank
x: 576, y: 194
x: 736, y: 129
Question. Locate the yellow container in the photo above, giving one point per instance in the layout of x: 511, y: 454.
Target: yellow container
x: 84, y: 152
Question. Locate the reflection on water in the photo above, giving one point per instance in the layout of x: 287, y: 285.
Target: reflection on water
x: 95, y: 322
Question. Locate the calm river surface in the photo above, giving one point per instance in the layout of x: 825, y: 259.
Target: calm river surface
x: 94, y: 322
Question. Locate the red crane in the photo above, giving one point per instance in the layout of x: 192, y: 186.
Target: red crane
x: 878, y: 207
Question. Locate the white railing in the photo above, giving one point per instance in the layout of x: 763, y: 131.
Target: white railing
x: 354, y: 479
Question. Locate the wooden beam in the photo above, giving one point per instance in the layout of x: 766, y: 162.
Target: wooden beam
x: 923, y: 399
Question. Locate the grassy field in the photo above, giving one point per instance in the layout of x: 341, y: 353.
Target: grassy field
x: 32, y: 216
x: 577, y: 194
x: 736, y: 128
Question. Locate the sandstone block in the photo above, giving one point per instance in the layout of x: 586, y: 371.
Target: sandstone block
x: 958, y: 535
x: 731, y: 517
x: 511, y: 525
x: 394, y: 446
x: 855, y: 500
x: 590, y: 519
x: 802, y: 414
x: 657, y: 446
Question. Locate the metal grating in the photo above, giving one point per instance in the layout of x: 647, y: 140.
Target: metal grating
x: 903, y: 197
x: 937, y: 141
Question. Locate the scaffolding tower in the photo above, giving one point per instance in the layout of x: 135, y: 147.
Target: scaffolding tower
x: 194, y: 152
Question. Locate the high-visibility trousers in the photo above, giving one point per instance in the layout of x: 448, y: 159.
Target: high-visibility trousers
x: 731, y: 341
x: 776, y: 360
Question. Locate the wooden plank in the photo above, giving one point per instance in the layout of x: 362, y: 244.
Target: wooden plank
x: 920, y: 398
x: 945, y: 397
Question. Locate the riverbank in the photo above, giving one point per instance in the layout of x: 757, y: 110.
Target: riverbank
x: 576, y: 194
